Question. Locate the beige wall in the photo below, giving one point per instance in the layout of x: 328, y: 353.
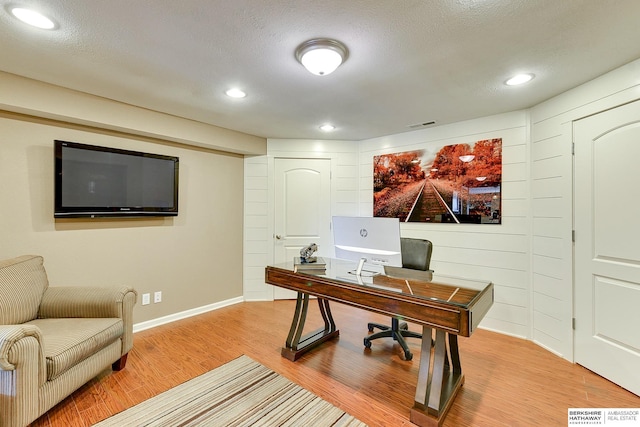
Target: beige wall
x: 195, y: 259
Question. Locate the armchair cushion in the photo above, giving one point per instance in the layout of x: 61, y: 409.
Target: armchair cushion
x: 23, y: 281
x: 69, y: 341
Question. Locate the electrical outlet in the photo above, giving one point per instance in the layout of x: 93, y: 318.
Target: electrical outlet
x: 157, y: 296
x: 146, y: 299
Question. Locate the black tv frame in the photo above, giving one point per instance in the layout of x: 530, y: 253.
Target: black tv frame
x: 61, y: 211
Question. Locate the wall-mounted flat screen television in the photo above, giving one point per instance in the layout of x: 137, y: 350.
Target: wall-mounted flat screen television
x: 93, y: 181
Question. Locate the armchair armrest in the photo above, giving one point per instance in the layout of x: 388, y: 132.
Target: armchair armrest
x: 9, y: 336
x: 23, y: 371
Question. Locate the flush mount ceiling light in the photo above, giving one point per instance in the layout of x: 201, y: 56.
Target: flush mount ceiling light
x: 519, y: 79
x: 327, y: 127
x: 33, y: 18
x: 321, y: 56
x: 236, y: 93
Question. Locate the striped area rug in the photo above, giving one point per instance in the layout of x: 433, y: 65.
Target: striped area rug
x: 239, y: 393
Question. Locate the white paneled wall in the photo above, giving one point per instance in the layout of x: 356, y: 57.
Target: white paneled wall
x: 499, y: 253
x: 256, y: 228
x: 529, y: 257
x: 552, y: 199
x: 259, y: 220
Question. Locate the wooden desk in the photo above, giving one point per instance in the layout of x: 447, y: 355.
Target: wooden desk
x: 450, y: 306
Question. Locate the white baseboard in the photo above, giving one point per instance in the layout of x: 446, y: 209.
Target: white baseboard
x: 500, y: 331
x: 137, y: 327
x: 549, y: 349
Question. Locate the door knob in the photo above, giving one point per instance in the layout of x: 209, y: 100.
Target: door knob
x: 279, y: 237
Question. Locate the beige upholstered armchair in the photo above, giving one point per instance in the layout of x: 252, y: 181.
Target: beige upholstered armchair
x: 55, y: 339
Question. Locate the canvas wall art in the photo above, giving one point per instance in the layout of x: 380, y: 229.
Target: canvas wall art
x: 458, y: 183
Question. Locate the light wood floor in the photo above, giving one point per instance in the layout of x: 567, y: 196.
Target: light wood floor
x: 508, y: 381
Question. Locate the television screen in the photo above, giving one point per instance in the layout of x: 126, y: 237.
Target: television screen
x: 93, y: 181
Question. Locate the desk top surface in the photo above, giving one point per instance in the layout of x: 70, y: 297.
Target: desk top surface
x: 432, y: 287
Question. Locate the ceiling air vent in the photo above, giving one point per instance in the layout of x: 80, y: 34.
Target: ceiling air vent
x: 421, y: 125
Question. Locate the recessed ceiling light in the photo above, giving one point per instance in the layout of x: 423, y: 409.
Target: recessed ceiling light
x: 236, y: 93
x: 327, y: 127
x: 519, y: 79
x: 33, y: 18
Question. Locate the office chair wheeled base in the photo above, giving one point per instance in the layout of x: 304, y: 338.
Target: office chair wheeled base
x: 398, y: 331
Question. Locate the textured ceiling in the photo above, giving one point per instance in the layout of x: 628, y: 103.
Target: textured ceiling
x: 410, y: 61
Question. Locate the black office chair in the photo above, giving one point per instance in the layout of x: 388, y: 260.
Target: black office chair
x: 416, y: 255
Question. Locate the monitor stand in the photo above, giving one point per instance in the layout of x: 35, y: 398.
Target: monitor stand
x: 361, y: 272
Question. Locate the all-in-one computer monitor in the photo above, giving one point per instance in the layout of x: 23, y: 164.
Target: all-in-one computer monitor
x: 373, y: 240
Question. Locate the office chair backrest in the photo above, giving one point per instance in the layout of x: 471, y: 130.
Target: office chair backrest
x: 416, y: 253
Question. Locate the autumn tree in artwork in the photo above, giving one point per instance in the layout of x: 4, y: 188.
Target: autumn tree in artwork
x: 463, y: 165
x: 391, y: 170
x: 397, y: 180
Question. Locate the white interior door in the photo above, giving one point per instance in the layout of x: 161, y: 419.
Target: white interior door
x: 607, y: 244
x: 302, y: 210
